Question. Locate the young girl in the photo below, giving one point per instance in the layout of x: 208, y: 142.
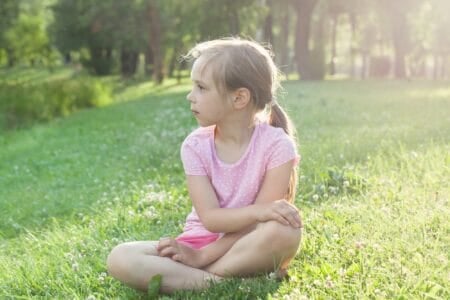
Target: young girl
x: 241, y: 175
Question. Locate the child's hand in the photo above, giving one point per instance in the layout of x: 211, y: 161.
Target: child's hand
x: 281, y: 211
x: 170, y: 248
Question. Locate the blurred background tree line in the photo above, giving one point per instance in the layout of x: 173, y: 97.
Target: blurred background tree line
x: 312, y: 38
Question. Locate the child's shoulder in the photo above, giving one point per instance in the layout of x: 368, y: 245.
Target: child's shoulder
x: 199, y: 136
x: 270, y: 133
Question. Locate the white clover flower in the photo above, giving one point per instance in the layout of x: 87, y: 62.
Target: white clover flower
x: 329, y: 283
x: 75, y: 266
x: 346, y: 183
x: 360, y: 245
x: 315, y: 197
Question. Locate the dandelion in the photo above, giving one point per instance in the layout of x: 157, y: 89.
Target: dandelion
x: 315, y: 197
x: 91, y: 297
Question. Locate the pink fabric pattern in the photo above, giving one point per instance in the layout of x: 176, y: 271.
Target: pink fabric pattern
x: 237, y: 184
x: 198, y: 242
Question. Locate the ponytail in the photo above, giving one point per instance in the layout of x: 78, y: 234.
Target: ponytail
x: 279, y: 118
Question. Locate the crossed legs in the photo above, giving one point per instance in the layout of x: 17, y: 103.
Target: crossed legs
x: 268, y: 247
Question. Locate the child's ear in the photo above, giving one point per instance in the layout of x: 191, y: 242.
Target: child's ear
x: 241, y: 98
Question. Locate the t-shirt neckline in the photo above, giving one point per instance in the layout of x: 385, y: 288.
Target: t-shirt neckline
x: 249, y: 146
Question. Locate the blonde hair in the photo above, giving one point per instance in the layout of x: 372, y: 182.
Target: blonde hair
x: 239, y: 63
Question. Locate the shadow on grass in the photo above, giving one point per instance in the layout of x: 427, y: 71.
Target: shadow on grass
x: 235, y: 288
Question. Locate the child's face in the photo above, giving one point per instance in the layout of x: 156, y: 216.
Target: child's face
x: 208, y: 105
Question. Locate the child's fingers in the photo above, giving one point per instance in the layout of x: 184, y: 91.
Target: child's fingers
x: 168, y: 251
x: 292, y: 216
x: 280, y: 218
x: 164, y: 242
x: 167, y: 247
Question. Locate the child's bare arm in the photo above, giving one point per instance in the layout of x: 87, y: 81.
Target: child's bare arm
x: 268, y: 205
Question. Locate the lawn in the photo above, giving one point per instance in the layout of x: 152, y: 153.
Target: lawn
x: 373, y: 191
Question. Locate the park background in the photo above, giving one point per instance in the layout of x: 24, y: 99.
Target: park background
x: 93, y: 112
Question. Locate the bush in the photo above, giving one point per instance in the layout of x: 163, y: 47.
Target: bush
x: 23, y: 104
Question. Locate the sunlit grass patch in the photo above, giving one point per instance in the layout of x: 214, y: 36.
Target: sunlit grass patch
x: 373, y: 191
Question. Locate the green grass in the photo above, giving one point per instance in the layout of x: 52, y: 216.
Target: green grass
x: 374, y: 191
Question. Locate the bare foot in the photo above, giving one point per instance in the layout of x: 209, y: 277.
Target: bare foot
x: 189, y: 256
x: 169, y: 247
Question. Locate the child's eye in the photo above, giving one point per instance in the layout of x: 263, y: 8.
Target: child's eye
x: 200, y: 87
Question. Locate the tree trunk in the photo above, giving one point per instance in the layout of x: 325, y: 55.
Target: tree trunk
x: 268, y: 24
x: 334, y: 22
x: 353, y: 25
x: 100, y: 61
x: 11, y: 57
x: 233, y: 17
x: 149, y: 62
x: 399, y: 51
x: 397, y: 15
x: 155, y: 40
x: 304, y: 10
x: 284, y: 41
x: 128, y: 62
x: 173, y: 59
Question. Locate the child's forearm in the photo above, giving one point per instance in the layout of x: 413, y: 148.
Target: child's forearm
x: 215, y: 250
x: 230, y: 219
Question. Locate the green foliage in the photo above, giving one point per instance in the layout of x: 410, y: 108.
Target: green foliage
x: 102, y: 28
x: 26, y: 103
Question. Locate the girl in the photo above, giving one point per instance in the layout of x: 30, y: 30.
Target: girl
x: 241, y: 175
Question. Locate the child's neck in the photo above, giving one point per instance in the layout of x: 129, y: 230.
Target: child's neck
x: 232, y: 140
x: 237, y: 133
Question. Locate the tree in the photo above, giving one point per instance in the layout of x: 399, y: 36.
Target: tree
x: 103, y: 28
x: 396, y: 15
x: 155, y: 40
x: 9, y: 12
x: 304, y: 10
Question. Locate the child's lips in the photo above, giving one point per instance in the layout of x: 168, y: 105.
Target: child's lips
x: 194, y: 112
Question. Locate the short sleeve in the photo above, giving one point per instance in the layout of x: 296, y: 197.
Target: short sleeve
x: 282, y: 151
x: 192, y: 162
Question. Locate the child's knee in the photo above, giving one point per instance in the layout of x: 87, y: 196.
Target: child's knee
x: 116, y: 263
x: 279, y: 235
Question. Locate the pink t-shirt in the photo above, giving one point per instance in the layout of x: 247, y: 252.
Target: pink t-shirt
x: 237, y: 184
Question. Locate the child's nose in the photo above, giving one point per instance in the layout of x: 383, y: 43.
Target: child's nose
x: 189, y: 97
